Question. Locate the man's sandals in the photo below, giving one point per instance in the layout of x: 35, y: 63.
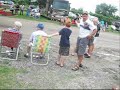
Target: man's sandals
x: 76, y: 67
x: 59, y: 64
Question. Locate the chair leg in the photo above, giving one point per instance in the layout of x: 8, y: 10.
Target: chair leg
x: 0, y: 53
x: 48, y: 57
x: 31, y: 56
x: 17, y: 53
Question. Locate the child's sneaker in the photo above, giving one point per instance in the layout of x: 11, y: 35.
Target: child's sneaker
x: 26, y: 55
x: 8, y: 52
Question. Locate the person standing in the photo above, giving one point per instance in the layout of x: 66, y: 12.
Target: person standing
x: 102, y: 25
x: 91, y: 44
x: 12, y: 9
x: 106, y: 25
x: 28, y: 10
x: 22, y: 9
x: 86, y: 32
x: 16, y: 9
x: 64, y: 43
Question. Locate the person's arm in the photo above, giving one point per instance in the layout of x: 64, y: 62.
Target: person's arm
x: 94, y: 30
x: 58, y: 33
x: 77, y: 23
x: 31, y: 38
x: 55, y: 34
x: 92, y: 34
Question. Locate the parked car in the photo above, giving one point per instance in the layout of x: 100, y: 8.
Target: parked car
x: 1, y: 3
x: 35, y: 13
x: 9, y: 2
x: 72, y: 15
x: 117, y: 25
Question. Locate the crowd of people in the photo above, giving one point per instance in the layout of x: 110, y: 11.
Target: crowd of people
x: 16, y: 8
x: 20, y: 9
x: 88, y: 33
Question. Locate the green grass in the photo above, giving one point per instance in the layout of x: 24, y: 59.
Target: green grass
x: 42, y: 19
x: 112, y: 31
x: 8, y: 77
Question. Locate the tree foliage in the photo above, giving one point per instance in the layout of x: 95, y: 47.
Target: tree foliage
x: 106, y: 10
x: 26, y: 2
x: 42, y: 3
x: 108, y: 19
x: 77, y: 11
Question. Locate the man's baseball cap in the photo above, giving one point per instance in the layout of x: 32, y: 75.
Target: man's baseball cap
x: 41, y: 26
x: 85, y: 13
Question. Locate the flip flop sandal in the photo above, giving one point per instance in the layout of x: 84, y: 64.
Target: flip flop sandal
x: 75, y: 68
x: 80, y: 65
x: 73, y: 54
x: 61, y: 65
x: 57, y: 64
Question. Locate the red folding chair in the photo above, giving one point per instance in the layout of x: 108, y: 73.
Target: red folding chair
x: 11, y: 40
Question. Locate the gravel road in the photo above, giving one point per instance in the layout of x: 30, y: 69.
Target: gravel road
x: 99, y: 72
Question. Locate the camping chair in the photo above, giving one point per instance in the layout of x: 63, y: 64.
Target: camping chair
x: 41, y: 45
x: 10, y: 39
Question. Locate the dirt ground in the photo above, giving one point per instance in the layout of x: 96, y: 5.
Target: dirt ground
x: 99, y: 72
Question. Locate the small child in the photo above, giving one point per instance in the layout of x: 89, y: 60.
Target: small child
x: 39, y: 31
x: 16, y: 28
x: 64, y: 43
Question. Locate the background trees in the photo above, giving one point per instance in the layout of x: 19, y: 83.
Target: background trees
x: 106, y: 10
x: 77, y: 11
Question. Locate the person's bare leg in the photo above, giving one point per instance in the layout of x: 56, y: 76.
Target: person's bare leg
x: 28, y: 52
x: 28, y: 49
x: 62, y: 60
x: 74, y: 52
x: 90, y: 49
x: 79, y: 63
x: 58, y: 61
x: 80, y: 59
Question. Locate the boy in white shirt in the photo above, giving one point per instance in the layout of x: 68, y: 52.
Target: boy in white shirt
x: 39, y: 31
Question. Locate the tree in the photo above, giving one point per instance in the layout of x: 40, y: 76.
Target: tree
x: 42, y: 3
x: 77, y: 11
x: 106, y: 10
x: 25, y: 2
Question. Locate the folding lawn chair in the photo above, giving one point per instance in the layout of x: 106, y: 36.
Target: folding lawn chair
x: 10, y: 40
x: 41, y: 45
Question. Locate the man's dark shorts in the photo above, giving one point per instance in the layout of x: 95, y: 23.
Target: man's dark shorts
x: 64, y: 51
x: 81, y: 45
x: 91, y: 42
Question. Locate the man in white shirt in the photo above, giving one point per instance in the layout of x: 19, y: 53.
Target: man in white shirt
x: 40, y: 32
x: 22, y: 9
x: 86, y: 32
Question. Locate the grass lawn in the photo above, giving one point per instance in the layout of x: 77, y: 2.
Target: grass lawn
x: 112, y: 31
x: 8, y: 77
x: 41, y: 19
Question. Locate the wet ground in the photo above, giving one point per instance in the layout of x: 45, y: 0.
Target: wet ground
x: 99, y: 72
